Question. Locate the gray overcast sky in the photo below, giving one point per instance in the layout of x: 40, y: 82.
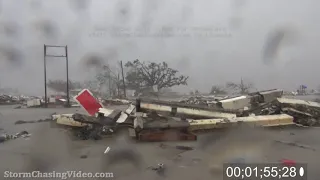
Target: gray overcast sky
x: 208, y: 59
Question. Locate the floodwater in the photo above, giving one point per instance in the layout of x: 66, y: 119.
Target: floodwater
x: 58, y: 152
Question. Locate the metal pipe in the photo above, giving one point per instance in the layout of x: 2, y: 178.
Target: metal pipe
x: 55, y: 56
x: 53, y: 46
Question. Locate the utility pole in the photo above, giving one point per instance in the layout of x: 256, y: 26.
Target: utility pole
x: 242, y: 86
x: 118, y: 84
x: 45, y: 70
x: 45, y: 75
x: 124, y: 84
x: 110, y: 88
x: 67, y: 69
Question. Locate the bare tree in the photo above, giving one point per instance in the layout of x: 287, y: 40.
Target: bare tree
x: 144, y: 75
x: 217, y: 90
x: 61, y: 86
x: 106, y: 77
x: 241, y: 88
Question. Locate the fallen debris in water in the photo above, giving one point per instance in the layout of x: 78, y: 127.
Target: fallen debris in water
x: 184, y: 148
x: 296, y: 145
x: 123, y: 154
x: 83, y: 156
x: 107, y: 150
x: 160, y: 169
x: 6, y: 137
x: 156, y: 120
x: 24, y: 122
x: 2, y: 138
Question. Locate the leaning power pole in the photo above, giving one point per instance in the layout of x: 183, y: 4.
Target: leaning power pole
x: 124, y: 84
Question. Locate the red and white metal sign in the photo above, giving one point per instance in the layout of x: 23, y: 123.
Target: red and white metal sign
x: 88, y: 102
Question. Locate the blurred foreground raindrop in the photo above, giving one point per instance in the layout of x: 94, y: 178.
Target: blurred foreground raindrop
x: 9, y: 29
x: 275, y: 40
x: 80, y: 5
x: 92, y: 61
x: 123, y: 11
x: 238, y: 3
x: 11, y: 55
x: 47, y: 28
x: 35, y: 4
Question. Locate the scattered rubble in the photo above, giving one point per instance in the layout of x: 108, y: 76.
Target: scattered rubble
x: 83, y: 156
x: 124, y: 154
x: 156, y: 120
x: 296, y: 145
x: 160, y: 169
x: 202, y: 100
x: 24, y: 122
x: 107, y: 150
x: 184, y: 148
x: 116, y: 102
x: 6, y: 137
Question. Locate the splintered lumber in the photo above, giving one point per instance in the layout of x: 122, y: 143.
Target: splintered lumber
x: 266, y: 121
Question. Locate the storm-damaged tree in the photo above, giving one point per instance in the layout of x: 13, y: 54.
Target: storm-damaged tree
x: 61, y: 85
x: 241, y: 88
x: 217, y: 90
x: 106, y: 77
x: 147, y: 75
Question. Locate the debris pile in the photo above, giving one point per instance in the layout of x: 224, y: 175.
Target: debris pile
x: 6, y: 137
x: 116, y: 102
x: 10, y: 99
x: 155, y: 120
x: 201, y: 100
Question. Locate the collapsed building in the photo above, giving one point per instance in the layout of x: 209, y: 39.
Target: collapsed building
x: 156, y: 120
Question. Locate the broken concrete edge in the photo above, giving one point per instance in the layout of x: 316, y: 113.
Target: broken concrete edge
x: 67, y: 120
x: 140, y: 122
x: 123, y: 116
x: 187, y: 111
x: 230, y: 104
x: 117, y: 115
x: 181, y: 105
